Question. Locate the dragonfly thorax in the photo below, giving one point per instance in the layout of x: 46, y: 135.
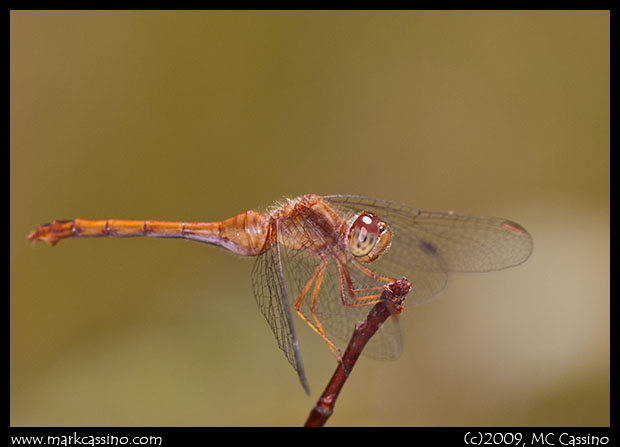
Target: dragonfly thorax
x: 309, y: 224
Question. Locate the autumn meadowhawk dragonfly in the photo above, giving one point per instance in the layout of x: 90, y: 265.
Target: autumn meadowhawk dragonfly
x: 327, y: 259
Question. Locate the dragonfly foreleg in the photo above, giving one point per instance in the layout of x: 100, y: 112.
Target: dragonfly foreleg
x: 366, y: 271
x: 347, y: 288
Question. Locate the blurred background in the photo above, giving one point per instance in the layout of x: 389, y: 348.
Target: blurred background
x: 198, y: 116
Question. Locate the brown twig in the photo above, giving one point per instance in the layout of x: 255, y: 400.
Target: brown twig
x: 392, y: 303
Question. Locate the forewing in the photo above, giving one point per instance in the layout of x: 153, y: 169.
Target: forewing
x: 426, y: 245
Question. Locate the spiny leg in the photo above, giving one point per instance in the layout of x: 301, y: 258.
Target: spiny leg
x: 315, y: 294
x: 345, y: 282
x: 372, y: 275
x: 317, y: 279
x: 352, y: 291
x: 365, y: 270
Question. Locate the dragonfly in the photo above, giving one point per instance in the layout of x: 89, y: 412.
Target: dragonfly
x: 327, y: 259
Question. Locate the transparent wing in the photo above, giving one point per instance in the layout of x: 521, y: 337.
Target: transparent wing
x: 338, y: 320
x: 426, y: 245
x: 271, y: 297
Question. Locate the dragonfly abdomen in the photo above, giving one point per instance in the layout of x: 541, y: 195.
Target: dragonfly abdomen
x: 244, y: 234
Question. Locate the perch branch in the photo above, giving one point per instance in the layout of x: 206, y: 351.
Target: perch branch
x: 391, y: 304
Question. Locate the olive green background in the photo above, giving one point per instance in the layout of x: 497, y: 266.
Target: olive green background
x: 198, y: 116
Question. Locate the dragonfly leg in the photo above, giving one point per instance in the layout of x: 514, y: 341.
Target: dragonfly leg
x: 346, y: 285
x: 372, y: 275
x: 365, y: 270
x: 317, y: 279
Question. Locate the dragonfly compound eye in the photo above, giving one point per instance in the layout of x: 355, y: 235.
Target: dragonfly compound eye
x: 368, y: 237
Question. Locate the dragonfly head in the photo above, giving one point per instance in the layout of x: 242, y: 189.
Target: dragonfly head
x: 368, y: 237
